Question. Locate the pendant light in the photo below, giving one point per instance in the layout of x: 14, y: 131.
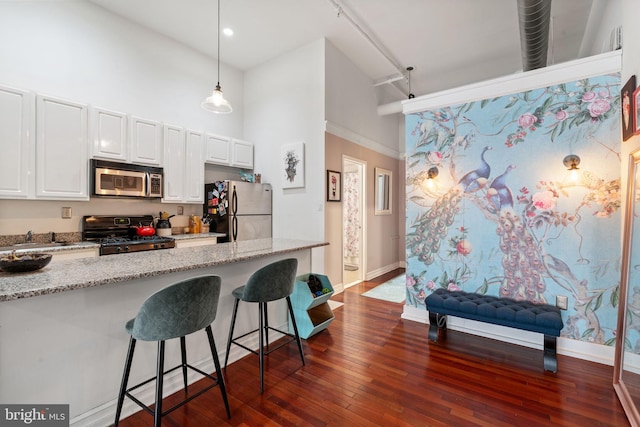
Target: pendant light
x: 216, y: 102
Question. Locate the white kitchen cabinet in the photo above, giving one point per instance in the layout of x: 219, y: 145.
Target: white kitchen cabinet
x: 17, y: 162
x: 146, y: 141
x: 241, y: 154
x: 109, y: 134
x: 218, y: 149
x: 61, y: 149
x: 194, y: 168
x: 183, y: 166
x: 174, y: 165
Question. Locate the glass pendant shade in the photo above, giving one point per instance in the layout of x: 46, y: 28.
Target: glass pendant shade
x: 216, y: 102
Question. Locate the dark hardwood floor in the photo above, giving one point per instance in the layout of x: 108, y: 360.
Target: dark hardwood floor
x: 371, y: 368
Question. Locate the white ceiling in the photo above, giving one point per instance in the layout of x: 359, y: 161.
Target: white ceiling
x: 449, y: 42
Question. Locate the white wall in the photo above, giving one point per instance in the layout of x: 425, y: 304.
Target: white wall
x: 284, y: 104
x: 80, y: 52
x: 351, y: 107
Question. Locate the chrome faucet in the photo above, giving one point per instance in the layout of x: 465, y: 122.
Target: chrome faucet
x: 29, y: 237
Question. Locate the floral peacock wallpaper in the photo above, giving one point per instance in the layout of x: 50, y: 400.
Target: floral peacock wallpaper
x: 505, y: 216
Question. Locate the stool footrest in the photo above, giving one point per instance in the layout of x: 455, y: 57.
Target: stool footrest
x: 176, y: 406
x: 235, y: 340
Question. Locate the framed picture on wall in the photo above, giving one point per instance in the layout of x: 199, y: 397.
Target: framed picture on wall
x: 635, y: 111
x: 334, y: 186
x: 293, y: 165
x: 628, y: 108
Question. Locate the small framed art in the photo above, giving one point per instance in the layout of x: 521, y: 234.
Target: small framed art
x: 627, y: 97
x: 635, y: 110
x: 334, y: 186
x: 293, y: 165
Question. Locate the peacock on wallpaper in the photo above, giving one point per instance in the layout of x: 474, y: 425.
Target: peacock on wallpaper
x: 505, y: 216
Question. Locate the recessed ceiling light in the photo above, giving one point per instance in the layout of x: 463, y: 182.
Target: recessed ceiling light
x: 227, y: 32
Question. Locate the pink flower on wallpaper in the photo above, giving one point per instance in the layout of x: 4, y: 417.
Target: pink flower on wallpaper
x: 453, y: 287
x: 544, y: 200
x: 588, y: 96
x: 561, y: 115
x: 599, y: 107
x: 410, y: 281
x: 435, y: 157
x: 464, y: 247
x: 431, y: 284
x: 527, y: 119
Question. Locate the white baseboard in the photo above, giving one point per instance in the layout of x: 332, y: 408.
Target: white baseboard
x: 568, y: 347
x: 382, y: 270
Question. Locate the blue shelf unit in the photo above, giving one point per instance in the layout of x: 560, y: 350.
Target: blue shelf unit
x: 312, y: 313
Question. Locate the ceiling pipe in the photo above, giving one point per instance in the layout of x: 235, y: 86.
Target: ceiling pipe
x: 342, y: 12
x: 534, y: 17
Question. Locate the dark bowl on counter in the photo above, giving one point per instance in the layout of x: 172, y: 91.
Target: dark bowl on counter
x: 20, y: 263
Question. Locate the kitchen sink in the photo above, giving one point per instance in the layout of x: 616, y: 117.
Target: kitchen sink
x: 34, y: 245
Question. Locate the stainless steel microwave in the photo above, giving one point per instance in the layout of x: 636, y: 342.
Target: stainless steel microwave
x: 114, y: 179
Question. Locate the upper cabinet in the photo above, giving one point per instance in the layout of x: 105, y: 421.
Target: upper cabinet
x: 174, y: 163
x: 194, y: 168
x: 183, y: 166
x: 61, y: 149
x: 17, y: 161
x: 109, y: 134
x: 146, y: 141
x: 241, y: 154
x: 218, y: 149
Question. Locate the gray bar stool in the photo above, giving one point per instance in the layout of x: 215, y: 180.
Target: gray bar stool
x: 270, y: 283
x: 174, y: 312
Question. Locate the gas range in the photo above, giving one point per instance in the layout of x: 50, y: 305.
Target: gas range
x: 117, y: 234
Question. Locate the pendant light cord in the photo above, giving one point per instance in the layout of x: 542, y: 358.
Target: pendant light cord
x: 218, y: 43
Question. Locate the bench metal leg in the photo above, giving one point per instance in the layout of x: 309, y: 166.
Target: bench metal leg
x: 437, y: 322
x: 550, y: 360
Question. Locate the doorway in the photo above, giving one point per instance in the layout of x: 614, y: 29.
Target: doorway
x: 353, y: 221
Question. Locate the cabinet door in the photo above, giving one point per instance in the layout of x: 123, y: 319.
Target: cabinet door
x: 241, y: 154
x: 174, y: 163
x: 109, y: 134
x: 194, y: 168
x: 217, y: 149
x: 146, y: 141
x: 17, y: 161
x: 61, y: 149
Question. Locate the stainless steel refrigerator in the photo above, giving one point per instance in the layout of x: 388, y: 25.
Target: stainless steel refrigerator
x: 241, y: 210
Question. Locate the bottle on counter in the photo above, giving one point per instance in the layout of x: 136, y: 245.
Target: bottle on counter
x: 194, y: 224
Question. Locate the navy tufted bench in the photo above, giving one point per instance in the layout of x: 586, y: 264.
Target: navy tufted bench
x: 542, y: 318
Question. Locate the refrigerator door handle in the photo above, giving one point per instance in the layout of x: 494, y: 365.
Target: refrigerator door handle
x: 234, y: 225
x: 234, y: 201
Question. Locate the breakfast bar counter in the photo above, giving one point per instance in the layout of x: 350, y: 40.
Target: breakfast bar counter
x: 88, y: 272
x: 62, y: 333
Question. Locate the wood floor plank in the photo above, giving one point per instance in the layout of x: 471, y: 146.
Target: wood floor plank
x: 371, y: 368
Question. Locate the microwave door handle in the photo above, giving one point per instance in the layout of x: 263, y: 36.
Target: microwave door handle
x: 147, y: 184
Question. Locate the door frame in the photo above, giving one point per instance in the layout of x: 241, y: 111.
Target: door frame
x: 362, y: 167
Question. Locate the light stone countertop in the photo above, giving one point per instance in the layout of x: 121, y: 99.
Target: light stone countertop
x: 73, y: 274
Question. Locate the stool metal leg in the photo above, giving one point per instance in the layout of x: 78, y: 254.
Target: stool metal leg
x: 295, y: 329
x: 216, y: 362
x: 261, y: 344
x: 159, y: 372
x: 233, y: 325
x: 125, y: 378
x: 266, y: 326
x: 183, y: 354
